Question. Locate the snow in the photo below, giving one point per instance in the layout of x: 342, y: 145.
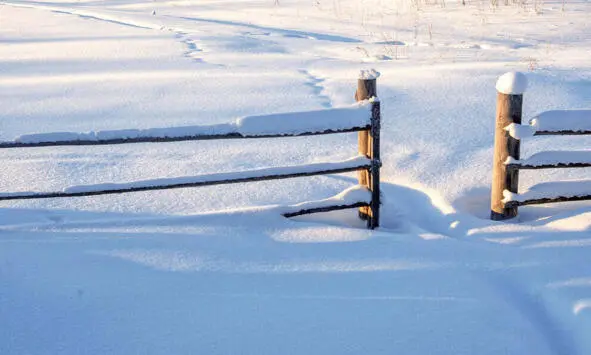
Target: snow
x: 218, y: 270
x: 554, y: 158
x: 293, y: 123
x: 519, y: 131
x: 302, y: 122
x: 553, y: 121
x: 562, y: 120
x: 512, y: 83
x: 369, y: 74
x: 551, y: 190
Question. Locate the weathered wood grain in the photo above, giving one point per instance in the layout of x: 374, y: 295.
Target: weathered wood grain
x: 509, y: 110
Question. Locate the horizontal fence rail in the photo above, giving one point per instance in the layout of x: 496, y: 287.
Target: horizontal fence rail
x: 326, y: 209
x: 294, y: 124
x: 163, y: 139
x: 200, y: 180
x: 552, y: 160
x: 509, y: 132
x: 544, y: 200
x: 526, y: 166
x: 562, y: 133
x: 364, y: 117
x: 550, y: 192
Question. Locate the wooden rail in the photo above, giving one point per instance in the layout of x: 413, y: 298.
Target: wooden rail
x: 368, y: 162
x: 566, y: 165
x: 562, y: 133
x: 507, y: 163
x: 326, y: 209
x: 200, y: 180
x: 539, y: 201
x: 163, y: 139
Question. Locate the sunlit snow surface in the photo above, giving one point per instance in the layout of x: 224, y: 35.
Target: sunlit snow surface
x: 217, y: 270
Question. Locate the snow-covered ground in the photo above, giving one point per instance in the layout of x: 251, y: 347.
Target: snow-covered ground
x: 217, y: 270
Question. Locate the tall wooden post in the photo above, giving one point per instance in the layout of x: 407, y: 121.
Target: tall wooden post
x: 366, y: 89
x: 509, y: 110
x: 376, y: 164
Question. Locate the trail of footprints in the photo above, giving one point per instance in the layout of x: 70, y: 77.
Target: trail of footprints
x: 193, y: 50
x: 315, y: 82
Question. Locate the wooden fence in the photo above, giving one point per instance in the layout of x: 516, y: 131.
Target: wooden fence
x: 364, y: 119
x: 505, y: 196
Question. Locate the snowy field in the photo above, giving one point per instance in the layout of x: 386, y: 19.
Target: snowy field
x: 217, y: 270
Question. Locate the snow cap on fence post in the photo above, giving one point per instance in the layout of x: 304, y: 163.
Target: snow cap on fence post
x: 512, y: 83
x: 368, y: 74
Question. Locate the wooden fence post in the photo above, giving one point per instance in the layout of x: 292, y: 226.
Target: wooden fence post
x: 366, y: 89
x: 510, y: 87
x: 376, y: 163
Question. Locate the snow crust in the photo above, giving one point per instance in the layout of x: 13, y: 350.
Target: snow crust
x: 512, y: 83
x: 554, y: 189
x: 292, y: 123
x: 564, y: 157
x: 369, y: 74
x: 562, y: 120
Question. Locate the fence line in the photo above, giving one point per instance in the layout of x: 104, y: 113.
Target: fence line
x: 200, y: 180
x: 505, y: 198
x: 164, y: 139
x: 364, y: 118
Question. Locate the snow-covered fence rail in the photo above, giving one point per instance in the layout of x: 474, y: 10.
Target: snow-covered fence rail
x: 362, y: 117
x: 292, y: 124
x: 505, y: 198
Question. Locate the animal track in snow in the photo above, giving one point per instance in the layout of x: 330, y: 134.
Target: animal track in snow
x: 193, y: 49
x: 87, y: 15
x: 315, y: 82
x: 191, y: 45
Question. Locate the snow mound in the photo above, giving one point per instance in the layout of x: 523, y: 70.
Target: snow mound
x: 512, y: 83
